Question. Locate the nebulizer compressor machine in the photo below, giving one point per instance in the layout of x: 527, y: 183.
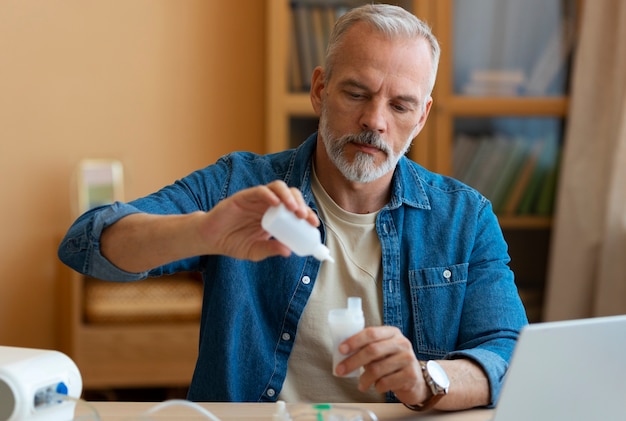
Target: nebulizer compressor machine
x: 37, y: 384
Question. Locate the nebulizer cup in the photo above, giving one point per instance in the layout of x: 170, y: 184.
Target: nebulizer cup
x: 345, y: 322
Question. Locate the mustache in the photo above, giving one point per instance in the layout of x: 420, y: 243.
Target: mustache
x: 369, y: 138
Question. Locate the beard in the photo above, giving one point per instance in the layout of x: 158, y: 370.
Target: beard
x: 363, y: 168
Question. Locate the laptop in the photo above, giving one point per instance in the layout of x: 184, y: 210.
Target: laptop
x: 567, y: 370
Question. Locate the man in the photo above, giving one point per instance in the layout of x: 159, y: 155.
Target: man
x: 424, y: 252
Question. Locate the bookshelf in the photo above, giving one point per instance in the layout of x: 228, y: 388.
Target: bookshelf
x: 498, y: 79
x: 290, y: 117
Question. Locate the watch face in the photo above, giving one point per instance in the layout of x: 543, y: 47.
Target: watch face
x: 438, y: 375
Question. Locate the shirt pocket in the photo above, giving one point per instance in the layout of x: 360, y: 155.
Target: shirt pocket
x: 437, y: 296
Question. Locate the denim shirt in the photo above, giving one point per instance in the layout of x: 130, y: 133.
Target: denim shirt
x: 446, y: 282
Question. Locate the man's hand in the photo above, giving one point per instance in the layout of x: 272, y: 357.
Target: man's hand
x: 390, y: 364
x: 140, y: 242
x: 388, y: 361
x: 233, y: 227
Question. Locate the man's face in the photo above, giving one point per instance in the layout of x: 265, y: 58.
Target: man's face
x: 371, y: 159
x: 374, y: 104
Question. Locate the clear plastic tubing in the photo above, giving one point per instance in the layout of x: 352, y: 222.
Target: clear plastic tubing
x: 296, y: 233
x: 345, y: 322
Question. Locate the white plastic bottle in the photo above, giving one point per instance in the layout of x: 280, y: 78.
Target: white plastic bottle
x: 281, y: 413
x: 296, y: 233
x: 345, y: 322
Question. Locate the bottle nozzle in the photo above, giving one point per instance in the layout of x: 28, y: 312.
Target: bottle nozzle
x: 354, y: 305
x: 322, y: 253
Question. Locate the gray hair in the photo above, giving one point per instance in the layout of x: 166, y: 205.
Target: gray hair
x: 393, y: 21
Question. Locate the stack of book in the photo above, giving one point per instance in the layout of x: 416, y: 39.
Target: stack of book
x: 312, y: 23
x: 495, y: 83
x: 518, y: 175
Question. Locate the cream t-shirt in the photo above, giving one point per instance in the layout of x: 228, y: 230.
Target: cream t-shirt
x: 357, y: 271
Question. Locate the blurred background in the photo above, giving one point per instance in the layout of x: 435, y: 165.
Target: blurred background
x: 165, y: 87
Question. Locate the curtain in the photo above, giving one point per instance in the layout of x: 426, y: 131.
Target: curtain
x: 587, y: 267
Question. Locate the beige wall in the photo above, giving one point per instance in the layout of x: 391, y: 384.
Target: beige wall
x: 164, y: 86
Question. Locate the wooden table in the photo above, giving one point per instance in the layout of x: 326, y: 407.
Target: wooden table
x: 133, y: 411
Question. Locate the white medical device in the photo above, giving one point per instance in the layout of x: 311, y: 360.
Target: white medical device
x: 34, y: 384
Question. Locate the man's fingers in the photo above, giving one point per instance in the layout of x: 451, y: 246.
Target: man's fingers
x: 394, y: 372
x: 294, y: 201
x: 367, y: 346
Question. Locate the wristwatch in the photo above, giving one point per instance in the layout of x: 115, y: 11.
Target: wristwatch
x: 438, y: 382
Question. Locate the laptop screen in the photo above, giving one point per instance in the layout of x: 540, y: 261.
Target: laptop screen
x: 567, y: 370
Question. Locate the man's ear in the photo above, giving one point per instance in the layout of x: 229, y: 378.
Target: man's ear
x: 317, y: 86
x: 424, y: 116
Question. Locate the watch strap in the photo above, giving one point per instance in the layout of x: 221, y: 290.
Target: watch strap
x: 436, y: 393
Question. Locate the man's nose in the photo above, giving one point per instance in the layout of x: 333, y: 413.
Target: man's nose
x: 374, y: 117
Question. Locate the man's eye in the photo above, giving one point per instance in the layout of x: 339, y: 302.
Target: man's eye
x: 399, y: 108
x: 355, y: 95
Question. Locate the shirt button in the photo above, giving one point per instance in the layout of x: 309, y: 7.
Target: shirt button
x: 447, y: 274
x: 306, y: 280
x: 286, y: 336
x: 271, y: 392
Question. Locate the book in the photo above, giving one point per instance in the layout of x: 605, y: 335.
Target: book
x: 495, y: 83
x: 329, y: 17
x: 545, y: 199
x: 545, y: 162
x: 553, y: 58
x: 318, y: 37
x: 492, y: 165
x: 303, y: 42
x: 472, y: 172
x: 518, y: 151
x: 463, y: 153
x: 526, y: 171
x: 294, y: 73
